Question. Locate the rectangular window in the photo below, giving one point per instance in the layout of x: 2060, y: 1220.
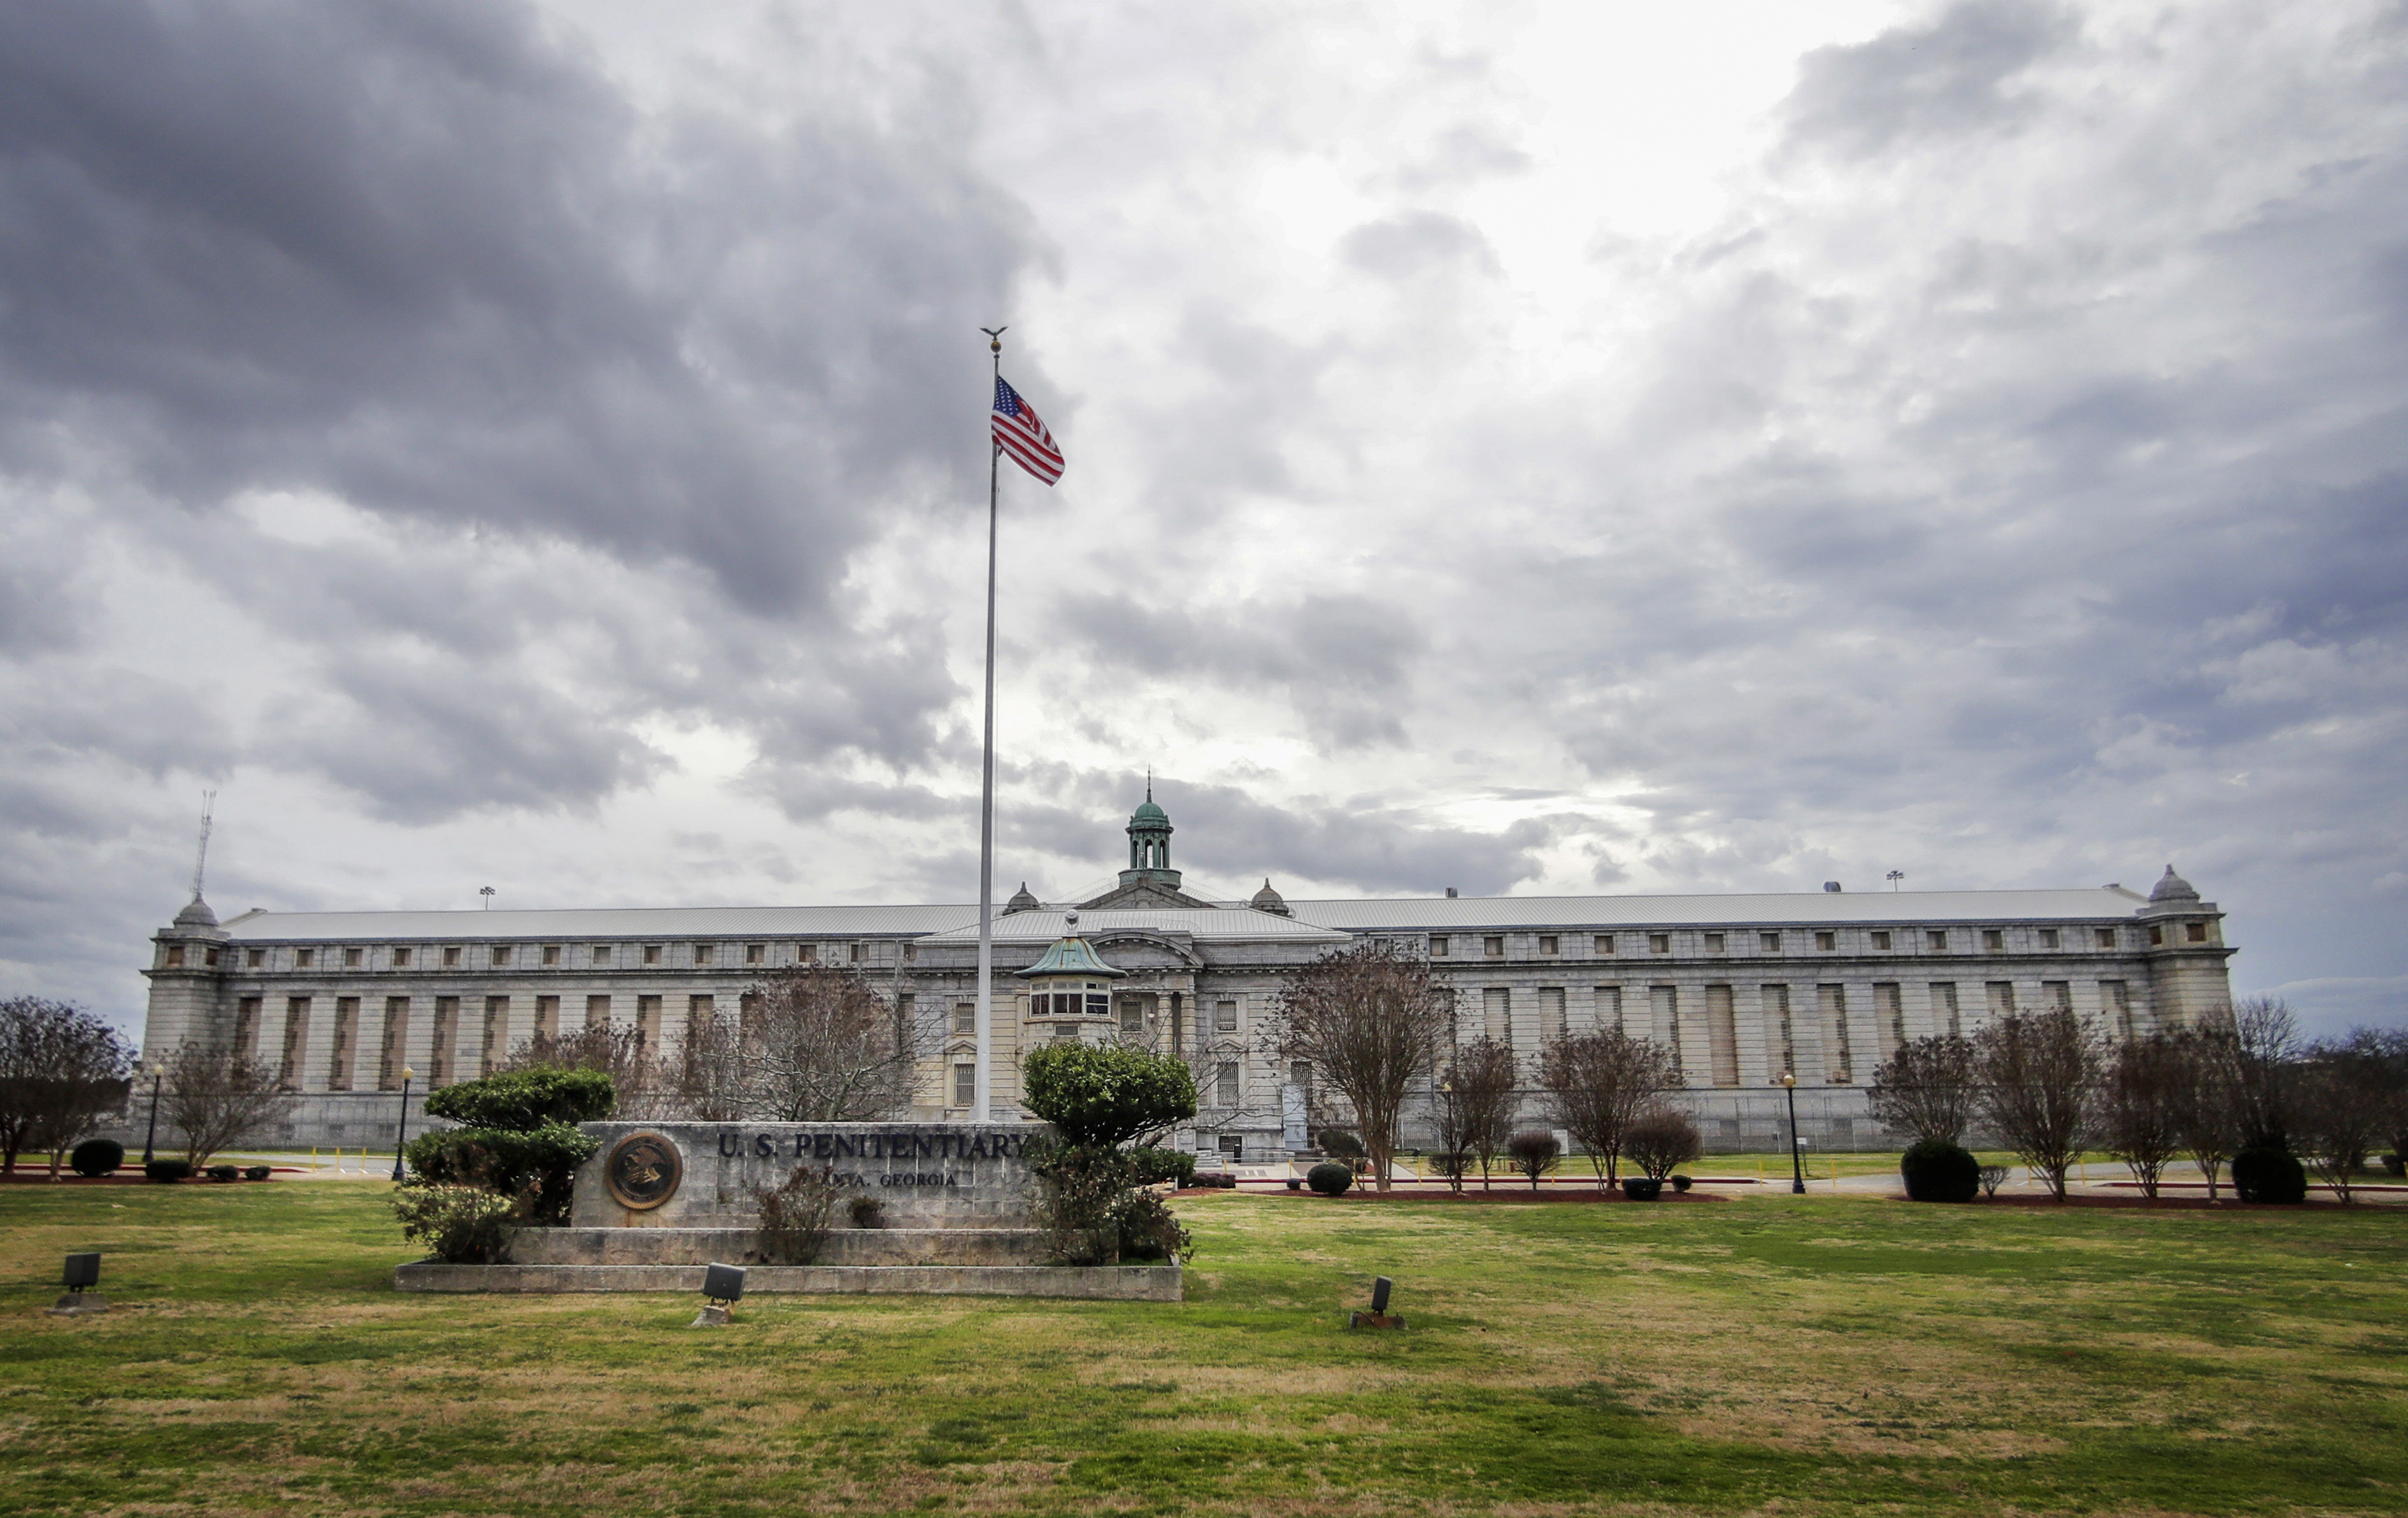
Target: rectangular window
x: 1609, y: 1008
x: 1769, y: 942
x: 1497, y: 1013
x: 390, y: 1050
x: 2156, y: 937
x: 1943, y: 1009
x: 497, y: 1035
x: 966, y: 1019
x: 246, y: 1028
x: 209, y: 957
x: 1936, y: 939
x: 441, y: 1062
x: 648, y: 1022
x: 1494, y: 948
x: 1551, y: 1011
x: 651, y: 953
x: 807, y: 953
x: 855, y: 952
x: 2104, y: 937
x: 1224, y: 1017
x: 2050, y: 938
x: 1066, y: 1030
x: 1838, y: 1057
x: 699, y: 1009
x: 1660, y: 943
x: 547, y: 1017
x: 2002, y: 998
x: 1299, y: 1073
x: 597, y: 1010
x: 304, y: 958
x: 1881, y: 937
x: 552, y: 954
x: 254, y: 958
x: 964, y: 1085
x: 1603, y: 943
x: 351, y: 958
x: 1664, y: 1009
x: 1722, y: 1035
x: 296, y: 1042
x: 1547, y: 943
x: 756, y: 954
x: 2195, y: 932
x: 1132, y: 1017
x: 601, y: 954
x: 1224, y: 1085
x: 401, y: 956
x: 1994, y: 940
x: 338, y: 1053
x: 702, y: 953
x: 1775, y: 1000
x: 451, y: 959
x: 1826, y: 942
x: 1099, y: 1004
x: 2058, y: 994
x: 1890, y: 1017
x: 501, y: 954
x: 2117, y: 997
x: 175, y: 956
x: 1438, y: 948
x: 1714, y: 943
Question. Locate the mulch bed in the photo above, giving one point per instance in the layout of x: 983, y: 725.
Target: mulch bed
x: 1523, y: 1197
x: 22, y: 1177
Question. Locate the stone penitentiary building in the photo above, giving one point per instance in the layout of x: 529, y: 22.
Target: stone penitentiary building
x: 1740, y: 987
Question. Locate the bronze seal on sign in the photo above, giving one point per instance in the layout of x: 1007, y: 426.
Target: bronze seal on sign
x: 643, y: 1171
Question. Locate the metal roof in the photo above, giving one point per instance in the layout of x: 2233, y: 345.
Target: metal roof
x: 1797, y: 907
x: 1070, y: 956
x: 614, y: 923
x: 1213, y: 924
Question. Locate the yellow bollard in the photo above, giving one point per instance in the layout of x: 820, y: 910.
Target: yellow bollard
x: 313, y: 1159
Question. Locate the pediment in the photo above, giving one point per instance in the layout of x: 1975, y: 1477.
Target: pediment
x: 1139, y: 895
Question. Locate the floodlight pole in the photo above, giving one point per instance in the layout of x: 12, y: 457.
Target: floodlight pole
x: 1796, y: 1166
x: 150, y: 1139
x: 401, y: 1134
x: 984, y: 1020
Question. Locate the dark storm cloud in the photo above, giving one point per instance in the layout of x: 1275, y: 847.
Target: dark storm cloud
x: 426, y: 257
x: 1949, y: 78
x: 1345, y: 660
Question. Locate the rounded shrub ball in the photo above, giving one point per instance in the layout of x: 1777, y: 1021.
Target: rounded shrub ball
x: 1330, y: 1180
x: 1937, y: 1171
x: 168, y: 1171
x: 2268, y: 1175
x: 97, y: 1157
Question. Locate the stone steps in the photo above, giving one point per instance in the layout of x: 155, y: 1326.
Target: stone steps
x: 1107, y: 1283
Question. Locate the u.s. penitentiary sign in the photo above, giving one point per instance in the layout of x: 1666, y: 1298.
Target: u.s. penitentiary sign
x: 708, y: 1174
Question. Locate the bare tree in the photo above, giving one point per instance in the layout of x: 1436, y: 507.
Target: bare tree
x: 821, y: 1046
x: 218, y: 1099
x: 2039, y: 1088
x: 1661, y: 1141
x: 706, y: 1069
x: 1927, y: 1089
x: 2148, y: 1085
x: 2208, y: 1115
x: 1600, y: 1083
x: 639, y: 1090
x: 2266, y: 1047
x: 1371, y: 1021
x: 1450, y: 1128
x: 1482, y: 1081
x: 2345, y: 1105
x: 61, y: 1067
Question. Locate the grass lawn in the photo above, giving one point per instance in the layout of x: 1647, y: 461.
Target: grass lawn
x: 1824, y: 1355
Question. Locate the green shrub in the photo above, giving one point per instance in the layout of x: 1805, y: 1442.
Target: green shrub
x: 523, y: 1101
x: 225, y: 1172
x: 460, y: 1224
x: 168, y: 1170
x: 536, y: 1170
x: 257, y: 1172
x: 1157, y: 1165
x: 866, y: 1212
x: 2268, y: 1175
x: 1338, y: 1144
x: 1329, y: 1177
x: 97, y: 1157
x: 1102, y: 1095
x: 1149, y: 1230
x: 1937, y: 1171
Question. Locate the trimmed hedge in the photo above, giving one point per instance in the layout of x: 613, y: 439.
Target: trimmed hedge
x: 1154, y: 1165
x: 524, y: 1101
x: 225, y: 1172
x: 1642, y: 1188
x: 168, y: 1170
x: 539, y: 1169
x: 1329, y: 1177
x: 1937, y: 1171
x: 97, y: 1157
x: 2268, y: 1175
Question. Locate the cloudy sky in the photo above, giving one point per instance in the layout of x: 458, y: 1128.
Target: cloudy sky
x: 1522, y: 447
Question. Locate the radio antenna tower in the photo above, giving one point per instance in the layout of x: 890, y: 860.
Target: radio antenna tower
x: 201, y: 859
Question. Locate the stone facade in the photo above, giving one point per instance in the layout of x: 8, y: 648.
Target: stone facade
x: 943, y: 1175
x: 1826, y: 984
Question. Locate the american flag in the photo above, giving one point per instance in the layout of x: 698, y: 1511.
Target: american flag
x: 1018, y: 433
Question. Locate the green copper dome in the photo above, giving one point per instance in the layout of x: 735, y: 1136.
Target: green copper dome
x: 1149, y: 815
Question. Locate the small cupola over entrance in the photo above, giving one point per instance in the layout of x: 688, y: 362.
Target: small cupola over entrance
x: 1148, y: 881
x: 1070, y: 980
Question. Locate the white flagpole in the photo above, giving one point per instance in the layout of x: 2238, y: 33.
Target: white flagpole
x: 979, y: 1107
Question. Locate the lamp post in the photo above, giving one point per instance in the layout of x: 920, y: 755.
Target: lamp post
x: 150, y: 1139
x: 1796, y: 1170
x: 401, y: 1135
x: 1895, y: 876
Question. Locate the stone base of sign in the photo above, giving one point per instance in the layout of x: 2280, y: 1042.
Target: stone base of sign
x: 77, y: 1304
x: 739, y: 1246
x: 1105, y: 1282
x: 713, y: 1316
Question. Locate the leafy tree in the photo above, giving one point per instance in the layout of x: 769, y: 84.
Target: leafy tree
x: 1598, y: 1084
x: 2040, y: 1088
x: 1927, y: 1089
x: 1371, y: 1021
x: 61, y: 1068
x: 525, y: 1100
x: 1103, y: 1095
